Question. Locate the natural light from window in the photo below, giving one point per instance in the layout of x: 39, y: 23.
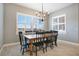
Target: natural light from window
x: 28, y: 22
x: 59, y: 23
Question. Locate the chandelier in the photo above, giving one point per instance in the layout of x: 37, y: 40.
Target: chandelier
x: 41, y: 14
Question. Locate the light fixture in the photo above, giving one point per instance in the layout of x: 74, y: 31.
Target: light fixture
x: 42, y: 19
x: 41, y: 14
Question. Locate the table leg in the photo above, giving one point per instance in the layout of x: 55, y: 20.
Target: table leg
x: 30, y: 46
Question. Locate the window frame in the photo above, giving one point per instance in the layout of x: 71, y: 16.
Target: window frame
x: 19, y: 13
x: 64, y: 15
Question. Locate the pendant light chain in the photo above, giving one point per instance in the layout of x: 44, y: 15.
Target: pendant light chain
x: 42, y: 11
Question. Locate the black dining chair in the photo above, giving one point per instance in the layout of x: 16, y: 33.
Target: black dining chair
x: 39, y: 42
x: 23, y: 42
x: 52, y: 39
x: 48, y: 39
x: 55, y: 35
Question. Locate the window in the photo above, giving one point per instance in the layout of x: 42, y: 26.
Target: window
x: 59, y: 23
x: 23, y: 22
x: 39, y: 24
x: 28, y: 22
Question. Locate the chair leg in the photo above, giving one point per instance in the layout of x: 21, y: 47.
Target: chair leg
x: 43, y: 48
x: 36, y: 51
x: 51, y: 45
x: 55, y: 43
x: 46, y: 47
x: 28, y: 46
x: 21, y: 48
x: 23, y: 52
x: 39, y: 47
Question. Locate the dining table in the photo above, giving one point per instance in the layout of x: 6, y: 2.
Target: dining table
x: 33, y: 37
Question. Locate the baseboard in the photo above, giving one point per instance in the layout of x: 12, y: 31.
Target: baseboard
x: 1, y: 50
x: 77, y: 44
x: 9, y: 44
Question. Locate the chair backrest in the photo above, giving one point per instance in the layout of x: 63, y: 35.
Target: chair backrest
x: 23, y: 40
x: 39, y: 34
x: 39, y: 37
x: 49, y: 35
x: 53, y: 34
x: 29, y: 32
x: 56, y: 34
x: 20, y: 37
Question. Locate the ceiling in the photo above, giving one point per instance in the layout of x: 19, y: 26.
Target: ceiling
x: 47, y: 7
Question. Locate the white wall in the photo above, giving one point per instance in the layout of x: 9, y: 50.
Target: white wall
x: 71, y: 23
x: 1, y: 24
x: 10, y: 11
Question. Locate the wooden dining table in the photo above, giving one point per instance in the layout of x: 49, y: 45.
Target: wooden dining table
x: 33, y: 37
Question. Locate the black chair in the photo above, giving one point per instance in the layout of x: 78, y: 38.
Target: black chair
x: 39, y: 42
x: 48, y: 39
x: 23, y: 42
x: 52, y: 38
x: 55, y: 37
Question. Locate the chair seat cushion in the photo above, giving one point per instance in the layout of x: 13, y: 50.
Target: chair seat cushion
x: 25, y: 45
x: 48, y: 41
x: 38, y: 43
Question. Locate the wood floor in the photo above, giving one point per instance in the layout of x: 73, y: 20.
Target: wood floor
x: 63, y: 49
